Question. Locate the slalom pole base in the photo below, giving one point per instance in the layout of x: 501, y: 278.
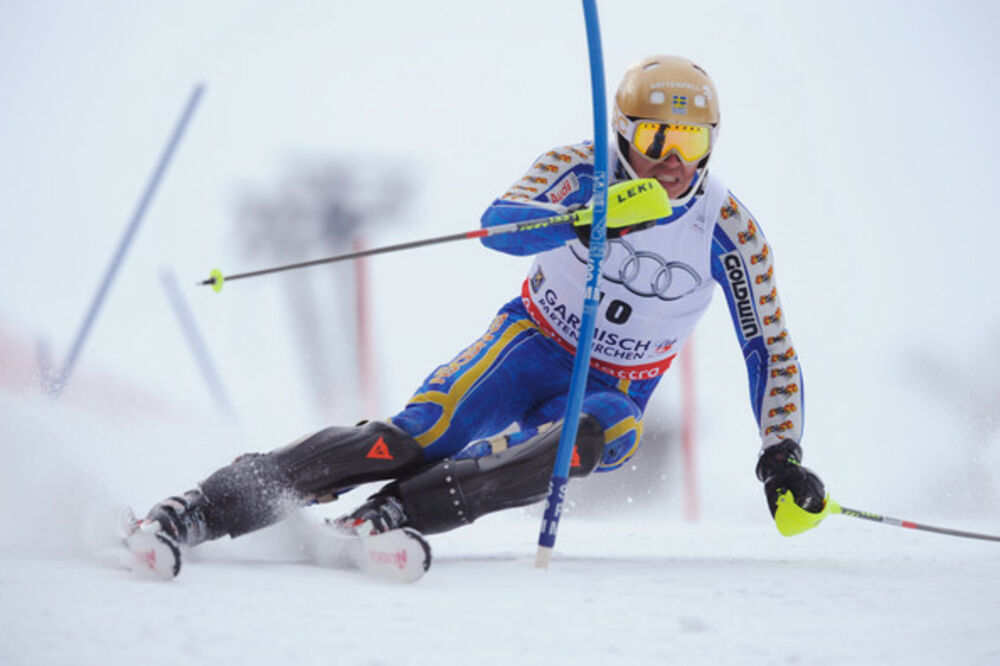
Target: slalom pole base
x: 543, y: 557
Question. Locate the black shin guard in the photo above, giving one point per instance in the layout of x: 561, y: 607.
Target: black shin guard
x: 260, y: 489
x: 456, y: 492
x: 251, y: 493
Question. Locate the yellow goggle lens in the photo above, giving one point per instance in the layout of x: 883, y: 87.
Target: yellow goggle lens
x: 655, y: 140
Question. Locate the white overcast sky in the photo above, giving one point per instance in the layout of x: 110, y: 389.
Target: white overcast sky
x: 861, y: 134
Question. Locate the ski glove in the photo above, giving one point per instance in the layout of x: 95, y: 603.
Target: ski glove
x: 632, y: 205
x: 583, y: 230
x: 780, y: 469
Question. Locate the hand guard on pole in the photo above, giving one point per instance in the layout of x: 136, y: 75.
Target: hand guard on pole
x: 795, y: 496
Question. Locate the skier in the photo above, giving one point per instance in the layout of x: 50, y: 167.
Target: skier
x: 451, y: 455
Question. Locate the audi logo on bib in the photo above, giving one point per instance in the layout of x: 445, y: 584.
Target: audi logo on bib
x: 646, y: 273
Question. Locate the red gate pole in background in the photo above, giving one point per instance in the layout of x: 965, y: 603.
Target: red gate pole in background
x: 366, y: 362
x: 689, y: 414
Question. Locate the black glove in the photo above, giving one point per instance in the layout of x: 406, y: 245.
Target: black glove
x: 780, y: 470
x: 583, y: 230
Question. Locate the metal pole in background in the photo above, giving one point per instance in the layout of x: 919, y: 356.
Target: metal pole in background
x: 62, y: 378
x: 366, y: 357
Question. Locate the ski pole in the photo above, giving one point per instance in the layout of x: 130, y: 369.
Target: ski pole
x: 632, y: 203
x: 886, y: 520
x: 635, y: 202
x: 216, y: 279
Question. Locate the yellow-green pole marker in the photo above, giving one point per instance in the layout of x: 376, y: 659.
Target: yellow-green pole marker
x: 216, y: 280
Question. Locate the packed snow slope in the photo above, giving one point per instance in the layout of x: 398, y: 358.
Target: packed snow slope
x: 639, y: 587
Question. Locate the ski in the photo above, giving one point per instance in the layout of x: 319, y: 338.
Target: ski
x: 401, y: 554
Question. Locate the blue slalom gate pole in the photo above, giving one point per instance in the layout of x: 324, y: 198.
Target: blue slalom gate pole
x: 598, y: 234
x: 203, y: 358
x: 59, y: 383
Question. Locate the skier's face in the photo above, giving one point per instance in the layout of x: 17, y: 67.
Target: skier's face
x: 673, y: 173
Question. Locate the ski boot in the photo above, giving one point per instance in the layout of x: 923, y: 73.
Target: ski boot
x: 384, y: 513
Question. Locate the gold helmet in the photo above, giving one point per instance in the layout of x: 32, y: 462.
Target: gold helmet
x: 679, y: 101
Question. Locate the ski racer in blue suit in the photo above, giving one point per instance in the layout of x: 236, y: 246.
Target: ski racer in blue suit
x: 480, y: 434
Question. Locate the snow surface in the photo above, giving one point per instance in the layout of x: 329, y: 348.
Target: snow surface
x: 636, y: 588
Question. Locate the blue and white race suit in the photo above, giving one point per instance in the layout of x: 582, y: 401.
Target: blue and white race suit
x: 656, y: 285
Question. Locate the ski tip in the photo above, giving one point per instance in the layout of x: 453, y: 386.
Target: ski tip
x: 424, y: 545
x: 154, y: 555
x: 402, y: 554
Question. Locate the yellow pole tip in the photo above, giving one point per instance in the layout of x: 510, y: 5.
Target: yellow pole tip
x: 217, y: 280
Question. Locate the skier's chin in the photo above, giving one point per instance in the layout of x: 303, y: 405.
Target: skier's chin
x: 675, y: 186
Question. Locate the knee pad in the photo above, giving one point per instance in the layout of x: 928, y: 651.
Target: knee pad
x: 457, y: 492
x: 623, y: 440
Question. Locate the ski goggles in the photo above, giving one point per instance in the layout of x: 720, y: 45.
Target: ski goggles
x: 655, y: 139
